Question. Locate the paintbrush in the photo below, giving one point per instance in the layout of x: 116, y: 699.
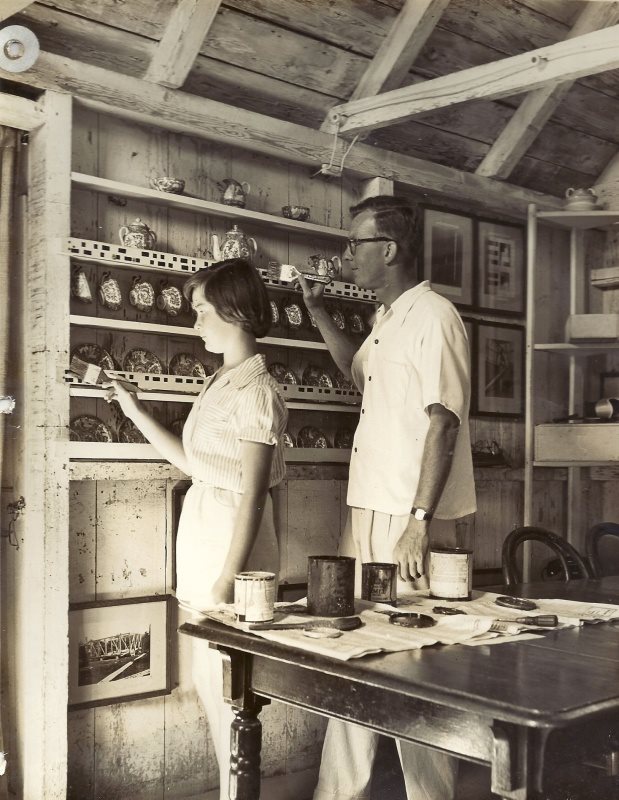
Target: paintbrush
x: 95, y: 375
x: 289, y: 273
x: 339, y: 623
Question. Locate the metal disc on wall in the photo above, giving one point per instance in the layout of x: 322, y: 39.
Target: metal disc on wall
x: 19, y: 48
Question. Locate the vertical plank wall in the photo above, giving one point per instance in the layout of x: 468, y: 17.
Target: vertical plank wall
x: 120, y: 531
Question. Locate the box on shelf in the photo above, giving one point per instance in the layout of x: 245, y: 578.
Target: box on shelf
x: 587, y: 327
x: 577, y: 442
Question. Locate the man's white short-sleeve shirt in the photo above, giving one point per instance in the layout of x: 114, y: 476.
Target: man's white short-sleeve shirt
x: 416, y: 354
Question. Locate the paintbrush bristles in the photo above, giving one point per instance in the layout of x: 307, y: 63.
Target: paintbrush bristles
x: 288, y: 273
x: 87, y: 373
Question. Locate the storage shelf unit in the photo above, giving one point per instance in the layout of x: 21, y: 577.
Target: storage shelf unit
x: 578, y: 349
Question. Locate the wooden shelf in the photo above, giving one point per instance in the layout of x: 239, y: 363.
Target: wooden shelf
x: 580, y: 219
x: 581, y: 349
x: 114, y: 451
x: 179, y: 330
x: 197, y: 205
x: 576, y: 444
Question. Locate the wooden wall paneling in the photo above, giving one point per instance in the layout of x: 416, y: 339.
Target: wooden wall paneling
x: 280, y: 514
x: 305, y: 733
x: 131, y: 538
x: 85, y: 158
x: 82, y: 540
x: 81, y: 749
x: 274, y: 739
x: 499, y: 510
x: 313, y: 522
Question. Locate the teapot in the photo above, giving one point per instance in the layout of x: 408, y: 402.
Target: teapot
x: 581, y: 199
x: 235, y: 245
x: 138, y: 234
x: 234, y: 193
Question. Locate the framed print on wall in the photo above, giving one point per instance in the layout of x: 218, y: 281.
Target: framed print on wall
x: 119, y: 650
x: 498, y: 369
x: 448, y: 255
x: 500, y: 267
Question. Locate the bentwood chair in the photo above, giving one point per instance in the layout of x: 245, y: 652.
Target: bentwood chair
x: 592, y: 542
x: 572, y: 564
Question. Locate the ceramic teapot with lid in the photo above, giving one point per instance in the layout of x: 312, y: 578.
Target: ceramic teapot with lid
x: 137, y: 234
x: 235, y: 245
x: 580, y: 199
x: 234, y: 193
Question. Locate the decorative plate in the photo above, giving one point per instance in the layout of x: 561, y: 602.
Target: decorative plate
x: 356, y: 323
x: 316, y: 376
x: 277, y: 371
x: 90, y: 429
x: 311, y: 437
x: 129, y: 433
x: 139, y: 360
x: 293, y: 314
x: 288, y: 439
x: 274, y: 312
x: 177, y: 426
x: 291, y: 378
x: 188, y: 366
x: 338, y: 317
x: 342, y: 382
x: 344, y: 438
x: 93, y: 354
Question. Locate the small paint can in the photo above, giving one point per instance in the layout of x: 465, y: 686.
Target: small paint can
x: 379, y: 582
x: 331, y: 586
x: 451, y: 573
x: 254, y: 596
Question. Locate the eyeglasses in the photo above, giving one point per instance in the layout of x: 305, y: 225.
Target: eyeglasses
x: 352, y: 243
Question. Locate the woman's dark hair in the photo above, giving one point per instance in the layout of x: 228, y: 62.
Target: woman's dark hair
x: 237, y: 291
x: 396, y: 217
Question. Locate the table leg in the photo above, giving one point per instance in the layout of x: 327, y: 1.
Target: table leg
x: 517, y: 761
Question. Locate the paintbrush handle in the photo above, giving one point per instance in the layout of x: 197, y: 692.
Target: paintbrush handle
x: 312, y: 276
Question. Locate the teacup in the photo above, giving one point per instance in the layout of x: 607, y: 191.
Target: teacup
x: 142, y: 294
x: 168, y: 184
x: 170, y: 300
x: 109, y: 292
x: 300, y: 213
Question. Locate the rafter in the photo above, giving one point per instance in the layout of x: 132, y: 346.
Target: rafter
x: 407, y: 36
x: 10, y: 7
x: 133, y: 98
x: 588, y: 54
x: 19, y: 112
x: 537, y: 107
x: 182, y: 39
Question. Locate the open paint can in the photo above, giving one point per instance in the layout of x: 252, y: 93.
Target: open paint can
x: 451, y: 573
x: 331, y: 586
x: 254, y: 596
x: 379, y: 582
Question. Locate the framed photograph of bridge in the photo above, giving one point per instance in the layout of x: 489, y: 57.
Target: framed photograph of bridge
x: 119, y: 650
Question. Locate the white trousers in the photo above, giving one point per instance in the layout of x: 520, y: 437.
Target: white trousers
x: 207, y: 526
x: 349, y: 750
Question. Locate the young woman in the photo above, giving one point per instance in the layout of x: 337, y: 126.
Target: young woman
x: 232, y: 448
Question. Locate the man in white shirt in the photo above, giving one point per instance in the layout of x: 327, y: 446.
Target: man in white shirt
x: 411, y: 472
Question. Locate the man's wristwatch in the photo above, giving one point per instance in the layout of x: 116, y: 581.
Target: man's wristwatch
x: 420, y: 513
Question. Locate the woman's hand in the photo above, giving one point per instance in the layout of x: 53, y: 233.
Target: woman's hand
x: 223, y: 590
x: 312, y: 293
x: 125, y: 398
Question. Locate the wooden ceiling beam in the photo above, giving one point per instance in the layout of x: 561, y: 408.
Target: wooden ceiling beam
x: 180, y: 44
x: 407, y: 36
x: 537, y: 107
x: 583, y: 55
x: 20, y: 113
x: 136, y: 99
x: 10, y: 7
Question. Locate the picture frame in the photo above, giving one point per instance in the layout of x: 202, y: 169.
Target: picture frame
x: 448, y: 255
x: 119, y: 650
x: 498, y: 369
x: 500, y: 267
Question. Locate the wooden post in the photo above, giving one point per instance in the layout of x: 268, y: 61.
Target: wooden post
x: 38, y: 616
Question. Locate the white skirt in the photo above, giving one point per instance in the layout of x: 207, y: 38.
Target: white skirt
x: 204, y: 535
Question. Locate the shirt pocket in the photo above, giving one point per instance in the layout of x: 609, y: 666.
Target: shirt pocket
x: 393, y: 381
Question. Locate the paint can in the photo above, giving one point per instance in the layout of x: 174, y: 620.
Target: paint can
x: 379, y: 582
x: 331, y: 586
x: 451, y: 573
x: 254, y: 596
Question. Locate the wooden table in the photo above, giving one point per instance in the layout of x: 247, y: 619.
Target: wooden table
x: 523, y: 708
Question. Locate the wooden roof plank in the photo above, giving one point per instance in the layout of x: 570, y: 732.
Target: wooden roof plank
x: 10, y: 7
x: 407, y: 36
x: 19, y: 112
x: 537, y: 107
x: 181, y: 42
x: 134, y: 98
x: 568, y: 60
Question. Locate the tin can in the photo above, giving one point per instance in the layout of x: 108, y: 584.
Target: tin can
x: 451, y: 573
x: 379, y: 582
x: 331, y: 586
x: 254, y: 596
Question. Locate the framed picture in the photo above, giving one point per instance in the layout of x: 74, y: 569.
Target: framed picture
x: 500, y: 267
x: 498, y: 369
x: 119, y: 650
x: 448, y: 255
x: 469, y: 326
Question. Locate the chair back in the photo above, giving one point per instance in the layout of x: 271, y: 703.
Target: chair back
x: 592, y: 541
x: 572, y: 563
